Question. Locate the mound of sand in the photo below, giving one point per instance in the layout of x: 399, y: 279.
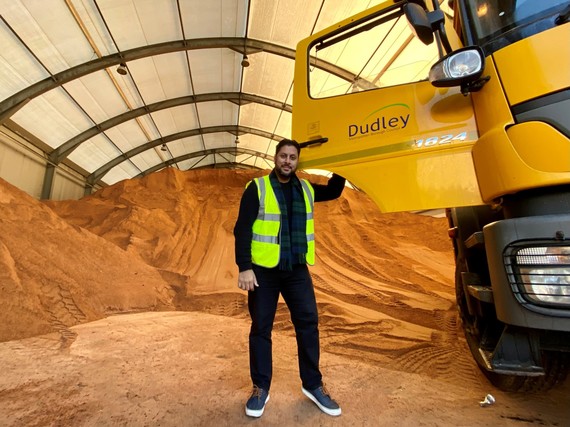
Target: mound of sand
x: 162, y: 246
x: 387, y: 271
x: 54, y: 275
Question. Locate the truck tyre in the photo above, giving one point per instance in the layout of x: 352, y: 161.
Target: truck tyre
x: 473, y: 325
x: 480, y: 325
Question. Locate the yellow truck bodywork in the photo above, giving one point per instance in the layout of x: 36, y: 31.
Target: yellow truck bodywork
x: 417, y: 147
x: 495, y: 150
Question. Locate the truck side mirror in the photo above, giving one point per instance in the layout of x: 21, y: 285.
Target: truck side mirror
x: 419, y: 22
x: 423, y: 23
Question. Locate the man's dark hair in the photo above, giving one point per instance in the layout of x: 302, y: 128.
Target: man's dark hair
x: 290, y: 142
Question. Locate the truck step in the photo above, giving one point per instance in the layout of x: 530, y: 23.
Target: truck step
x: 476, y: 239
x: 476, y: 288
x: 482, y: 293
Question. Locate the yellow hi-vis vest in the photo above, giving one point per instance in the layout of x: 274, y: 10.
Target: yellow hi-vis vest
x: 265, y: 248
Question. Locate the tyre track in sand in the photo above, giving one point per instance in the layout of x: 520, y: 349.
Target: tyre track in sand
x: 442, y: 354
x: 62, y: 310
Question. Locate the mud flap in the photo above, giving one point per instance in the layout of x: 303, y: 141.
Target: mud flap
x: 517, y: 353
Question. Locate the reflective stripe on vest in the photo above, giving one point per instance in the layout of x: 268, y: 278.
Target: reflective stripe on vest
x: 265, y: 248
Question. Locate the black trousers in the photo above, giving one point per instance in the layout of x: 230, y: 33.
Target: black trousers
x: 296, y: 287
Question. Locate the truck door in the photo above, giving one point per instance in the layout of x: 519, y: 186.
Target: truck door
x: 362, y: 85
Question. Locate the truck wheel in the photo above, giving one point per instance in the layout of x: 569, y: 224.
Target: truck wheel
x: 482, y: 334
x: 474, y: 327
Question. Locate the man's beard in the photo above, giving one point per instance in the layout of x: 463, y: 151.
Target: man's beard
x: 286, y: 175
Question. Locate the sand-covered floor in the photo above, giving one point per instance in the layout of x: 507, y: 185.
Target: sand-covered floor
x: 122, y: 309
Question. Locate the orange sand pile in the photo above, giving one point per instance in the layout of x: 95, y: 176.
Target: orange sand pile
x: 54, y: 275
x: 392, y: 350
x: 166, y: 241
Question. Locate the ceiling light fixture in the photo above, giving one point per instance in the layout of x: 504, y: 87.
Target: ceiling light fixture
x: 122, y: 69
x: 237, y: 140
x: 163, y: 148
x: 245, y: 61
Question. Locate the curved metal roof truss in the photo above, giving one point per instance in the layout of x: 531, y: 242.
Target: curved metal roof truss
x: 198, y: 85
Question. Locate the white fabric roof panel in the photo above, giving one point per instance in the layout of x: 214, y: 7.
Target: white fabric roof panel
x: 19, y: 68
x: 283, y: 22
x: 123, y: 171
x: 127, y: 136
x: 139, y: 22
x: 176, y: 119
x: 213, y: 18
x: 94, y: 153
x: 218, y: 140
x: 159, y: 77
x: 146, y: 160
x: 95, y: 115
x: 149, y: 128
x: 216, y: 113
x: 49, y: 31
x: 54, y: 118
x: 269, y: 75
x: 214, y: 70
x: 97, y: 94
x: 184, y: 146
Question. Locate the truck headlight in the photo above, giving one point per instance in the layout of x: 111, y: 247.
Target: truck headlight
x: 543, y: 274
x: 458, y: 68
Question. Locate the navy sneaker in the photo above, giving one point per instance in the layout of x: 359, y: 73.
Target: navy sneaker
x: 256, y: 403
x: 323, y: 400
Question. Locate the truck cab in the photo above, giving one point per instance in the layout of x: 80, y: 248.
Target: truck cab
x: 462, y: 106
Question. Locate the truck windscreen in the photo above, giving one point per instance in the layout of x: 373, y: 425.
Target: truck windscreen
x: 494, y: 24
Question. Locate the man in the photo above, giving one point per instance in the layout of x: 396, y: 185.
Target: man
x: 274, y: 242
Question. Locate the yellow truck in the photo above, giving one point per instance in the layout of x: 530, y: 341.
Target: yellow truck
x: 462, y: 106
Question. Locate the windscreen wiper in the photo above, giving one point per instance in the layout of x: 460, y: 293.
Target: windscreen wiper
x: 563, y: 17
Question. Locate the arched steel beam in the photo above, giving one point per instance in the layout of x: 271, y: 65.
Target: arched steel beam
x: 65, y: 149
x: 219, y: 165
x: 227, y: 165
x: 204, y: 153
x: 99, y: 173
x: 13, y: 103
